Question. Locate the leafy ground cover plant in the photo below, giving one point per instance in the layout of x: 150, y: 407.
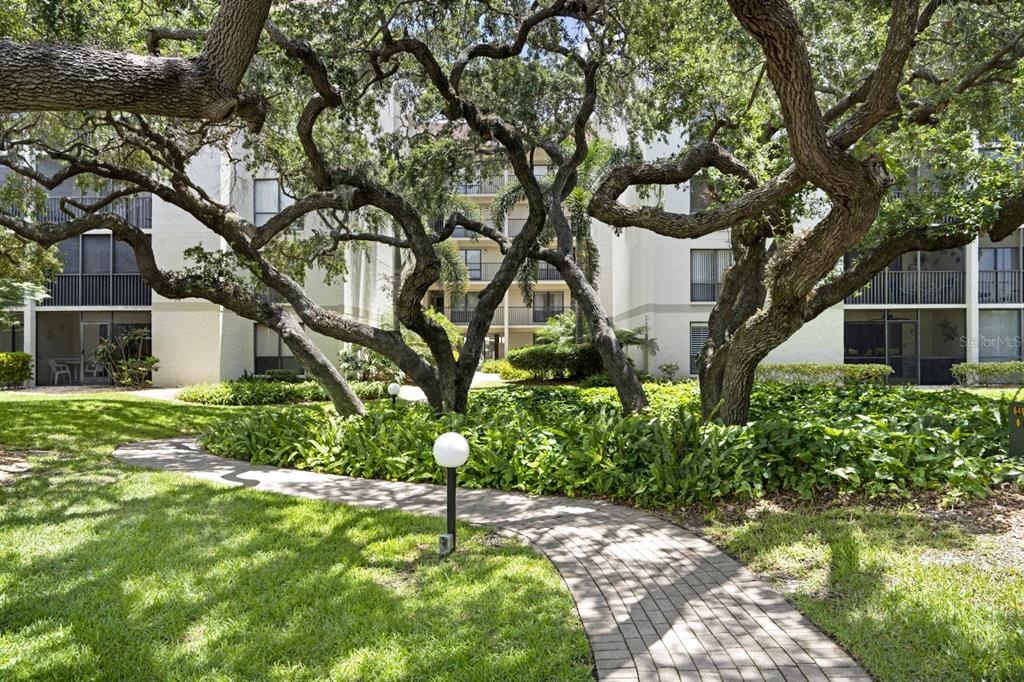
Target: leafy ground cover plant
x: 271, y: 392
x: 878, y: 441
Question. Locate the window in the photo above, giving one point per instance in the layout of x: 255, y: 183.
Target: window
x: 699, y: 193
x: 698, y: 336
x: 1000, y: 258
x: 124, y: 258
x: 272, y: 352
x: 999, y: 338
x: 547, y: 304
x: 474, y: 268
x: 96, y: 254
x: 268, y: 200
x: 462, y: 311
x: 70, y: 255
x: 706, y: 269
x: 437, y: 301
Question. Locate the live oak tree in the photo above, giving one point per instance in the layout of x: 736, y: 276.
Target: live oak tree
x: 466, y: 87
x: 800, y: 117
x: 798, y: 138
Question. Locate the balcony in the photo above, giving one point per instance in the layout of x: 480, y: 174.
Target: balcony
x: 999, y: 286
x: 518, y: 316
x: 481, y: 186
x: 515, y: 226
x: 485, y: 272
x: 98, y: 290
x: 910, y: 287
x: 528, y: 317
x: 137, y: 210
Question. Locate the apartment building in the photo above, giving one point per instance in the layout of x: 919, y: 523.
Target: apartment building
x: 921, y: 315
x: 924, y: 313
x: 100, y: 294
x: 516, y: 321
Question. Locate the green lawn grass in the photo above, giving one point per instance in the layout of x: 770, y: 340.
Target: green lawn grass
x: 911, y: 598
x: 95, y: 423
x: 109, y: 572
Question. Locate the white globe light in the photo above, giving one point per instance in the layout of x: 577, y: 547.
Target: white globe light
x: 393, y: 388
x: 451, y: 450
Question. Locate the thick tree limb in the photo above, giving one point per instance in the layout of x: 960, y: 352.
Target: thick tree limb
x: 40, y: 77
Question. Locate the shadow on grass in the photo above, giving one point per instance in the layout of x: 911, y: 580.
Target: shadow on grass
x: 107, y: 573
x: 863, y: 576
x: 96, y: 425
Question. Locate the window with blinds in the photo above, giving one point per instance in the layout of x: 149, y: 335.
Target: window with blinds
x: 999, y: 335
x: 268, y: 200
x: 706, y: 269
x: 698, y: 193
x: 698, y: 335
x: 271, y: 352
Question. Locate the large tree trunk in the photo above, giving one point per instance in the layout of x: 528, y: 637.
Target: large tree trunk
x: 620, y: 370
x: 725, y: 387
x: 317, y: 365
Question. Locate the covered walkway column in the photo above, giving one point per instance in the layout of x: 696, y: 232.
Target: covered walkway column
x: 29, y: 335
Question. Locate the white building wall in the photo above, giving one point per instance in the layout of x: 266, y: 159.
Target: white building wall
x: 197, y: 341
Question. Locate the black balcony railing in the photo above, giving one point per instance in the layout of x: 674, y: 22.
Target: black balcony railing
x: 999, y: 286
x: 925, y: 287
x: 485, y: 272
x: 518, y: 316
x: 548, y: 273
x: 515, y: 226
x: 482, y: 272
x: 481, y: 186
x: 529, y: 316
x: 99, y: 290
x: 138, y: 210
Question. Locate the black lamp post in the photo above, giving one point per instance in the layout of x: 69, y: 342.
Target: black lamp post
x: 451, y: 451
x: 393, y: 389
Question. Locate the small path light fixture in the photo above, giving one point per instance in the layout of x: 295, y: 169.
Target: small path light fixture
x: 451, y: 451
x: 393, y: 389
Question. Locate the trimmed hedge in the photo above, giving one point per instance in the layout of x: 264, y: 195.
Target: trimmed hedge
x: 549, y: 361
x: 15, y: 368
x: 271, y: 392
x: 814, y: 373
x: 505, y: 370
x: 989, y: 373
x: 877, y: 441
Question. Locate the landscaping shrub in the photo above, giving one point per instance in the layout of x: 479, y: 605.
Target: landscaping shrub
x: 989, y: 373
x: 125, y: 360
x: 550, y: 361
x: 15, y: 368
x: 289, y: 375
x: 505, y: 370
x: 878, y: 441
x: 814, y: 373
x: 271, y: 392
x: 669, y: 370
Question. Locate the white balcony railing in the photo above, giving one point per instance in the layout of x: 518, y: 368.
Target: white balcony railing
x: 912, y: 287
x: 999, y: 286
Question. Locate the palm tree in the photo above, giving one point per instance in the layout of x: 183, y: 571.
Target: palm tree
x: 600, y: 156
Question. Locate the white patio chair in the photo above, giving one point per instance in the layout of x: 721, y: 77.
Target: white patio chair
x: 58, y: 370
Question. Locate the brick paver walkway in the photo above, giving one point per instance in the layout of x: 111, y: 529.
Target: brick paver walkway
x: 656, y: 601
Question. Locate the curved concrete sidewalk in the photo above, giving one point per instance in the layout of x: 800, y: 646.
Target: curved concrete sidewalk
x: 656, y: 601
